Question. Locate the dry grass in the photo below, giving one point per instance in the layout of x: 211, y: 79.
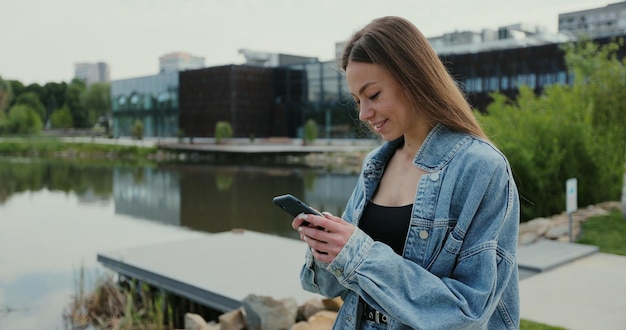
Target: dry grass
x: 117, y: 306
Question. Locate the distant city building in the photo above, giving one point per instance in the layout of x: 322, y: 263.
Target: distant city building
x: 92, y: 72
x: 272, y: 60
x: 179, y: 61
x: 597, y: 22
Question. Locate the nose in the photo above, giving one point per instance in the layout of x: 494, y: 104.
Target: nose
x: 365, y: 111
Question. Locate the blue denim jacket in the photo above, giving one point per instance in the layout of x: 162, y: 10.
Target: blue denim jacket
x: 458, y: 269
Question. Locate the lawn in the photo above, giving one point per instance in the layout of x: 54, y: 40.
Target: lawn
x: 606, y: 232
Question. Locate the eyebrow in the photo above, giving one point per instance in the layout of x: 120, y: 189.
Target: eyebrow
x: 367, y: 84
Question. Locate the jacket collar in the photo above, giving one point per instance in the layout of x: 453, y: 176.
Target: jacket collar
x: 438, y: 148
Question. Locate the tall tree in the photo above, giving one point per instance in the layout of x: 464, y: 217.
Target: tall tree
x: 5, y: 94
x: 53, y: 97
x: 97, y: 102
x: 73, y: 100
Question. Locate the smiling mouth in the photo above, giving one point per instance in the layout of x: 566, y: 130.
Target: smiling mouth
x: 379, y: 125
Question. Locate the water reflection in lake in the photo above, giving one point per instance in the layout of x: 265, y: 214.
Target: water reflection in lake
x: 55, y: 216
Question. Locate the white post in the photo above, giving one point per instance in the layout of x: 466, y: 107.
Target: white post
x: 571, y: 203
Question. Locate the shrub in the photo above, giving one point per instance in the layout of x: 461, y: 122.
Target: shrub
x: 223, y: 130
x: 62, y: 118
x: 137, y: 130
x: 23, y: 120
x: 310, y: 131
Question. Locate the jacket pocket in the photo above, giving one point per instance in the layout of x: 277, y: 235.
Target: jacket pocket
x: 443, y: 263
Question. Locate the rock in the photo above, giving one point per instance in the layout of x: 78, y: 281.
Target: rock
x: 556, y: 232
x: 232, y: 320
x: 265, y: 313
x: 322, y: 320
x: 539, y: 226
x: 333, y: 304
x: 309, y: 308
x: 527, y: 238
x: 194, y: 322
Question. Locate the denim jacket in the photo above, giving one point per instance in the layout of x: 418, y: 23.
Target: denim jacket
x: 458, y: 269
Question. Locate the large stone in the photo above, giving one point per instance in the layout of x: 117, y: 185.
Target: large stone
x: 266, y: 313
x: 309, y: 308
x: 194, y: 322
x: 539, y: 226
x: 333, y: 304
x: 232, y: 320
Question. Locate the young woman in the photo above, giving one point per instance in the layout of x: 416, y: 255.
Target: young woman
x: 429, y: 235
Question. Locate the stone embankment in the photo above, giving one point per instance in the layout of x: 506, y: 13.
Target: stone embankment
x: 259, y: 312
x: 557, y: 227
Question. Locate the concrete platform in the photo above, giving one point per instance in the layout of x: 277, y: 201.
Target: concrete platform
x: 218, y: 270
x: 587, y: 293
x: 544, y: 255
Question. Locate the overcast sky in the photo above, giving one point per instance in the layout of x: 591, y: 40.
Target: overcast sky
x: 42, y: 39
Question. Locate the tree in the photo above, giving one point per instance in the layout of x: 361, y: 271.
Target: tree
x: 566, y: 132
x: 73, y: 101
x: 53, y: 96
x: 23, y: 120
x: 5, y: 94
x: 97, y: 101
x: 32, y: 100
x: 62, y: 118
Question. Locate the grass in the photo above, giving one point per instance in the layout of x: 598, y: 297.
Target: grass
x: 52, y: 147
x: 607, y: 232
x: 529, y: 325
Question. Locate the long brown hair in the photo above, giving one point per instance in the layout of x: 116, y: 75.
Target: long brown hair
x: 398, y: 46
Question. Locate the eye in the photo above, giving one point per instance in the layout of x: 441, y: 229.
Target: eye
x: 374, y: 96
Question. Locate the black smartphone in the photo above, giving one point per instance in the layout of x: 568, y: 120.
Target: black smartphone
x: 293, y: 205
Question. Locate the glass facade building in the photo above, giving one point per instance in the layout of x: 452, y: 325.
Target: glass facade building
x: 152, y: 100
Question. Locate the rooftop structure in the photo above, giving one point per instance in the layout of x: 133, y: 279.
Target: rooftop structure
x: 179, y: 61
x: 272, y: 60
x: 597, y: 22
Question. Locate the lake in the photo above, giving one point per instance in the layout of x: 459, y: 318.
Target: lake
x: 56, y: 215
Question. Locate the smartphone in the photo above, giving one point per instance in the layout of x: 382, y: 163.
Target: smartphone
x: 293, y: 205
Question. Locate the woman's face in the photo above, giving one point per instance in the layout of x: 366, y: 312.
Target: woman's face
x: 380, y: 100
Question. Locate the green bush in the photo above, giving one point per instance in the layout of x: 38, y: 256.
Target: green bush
x: 62, y: 118
x: 22, y: 120
x: 561, y: 134
x: 137, y: 130
x: 310, y: 131
x: 223, y: 130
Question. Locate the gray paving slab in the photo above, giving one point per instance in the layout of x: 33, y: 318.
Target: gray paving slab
x: 544, y: 255
x: 586, y: 293
x: 218, y: 270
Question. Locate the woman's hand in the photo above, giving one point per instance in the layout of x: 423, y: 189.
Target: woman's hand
x: 326, y: 235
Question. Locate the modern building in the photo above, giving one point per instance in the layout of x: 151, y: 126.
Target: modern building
x: 596, y: 22
x: 153, y: 100
x: 239, y: 94
x: 92, y: 72
x: 179, y: 61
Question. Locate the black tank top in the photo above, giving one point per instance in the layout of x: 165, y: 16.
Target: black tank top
x: 387, y: 224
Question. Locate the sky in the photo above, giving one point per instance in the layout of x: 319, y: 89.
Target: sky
x: 42, y: 39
